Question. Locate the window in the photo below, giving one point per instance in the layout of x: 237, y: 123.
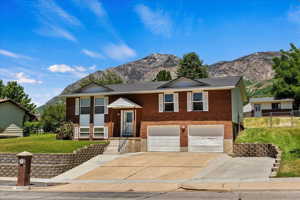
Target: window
x: 99, y: 105
x: 276, y: 106
x: 99, y: 132
x: 84, y: 132
x: 85, y: 106
x: 197, y: 101
x: 168, y: 102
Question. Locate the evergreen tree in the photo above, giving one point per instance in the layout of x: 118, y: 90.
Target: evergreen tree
x: 163, y: 75
x: 191, y: 66
x: 53, y: 116
x: 2, y: 87
x: 16, y: 92
x: 286, y: 82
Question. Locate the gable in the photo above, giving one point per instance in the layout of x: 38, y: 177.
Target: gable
x: 183, y: 82
x: 93, y: 88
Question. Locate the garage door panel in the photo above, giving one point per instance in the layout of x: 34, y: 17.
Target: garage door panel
x: 206, y: 138
x: 163, y: 138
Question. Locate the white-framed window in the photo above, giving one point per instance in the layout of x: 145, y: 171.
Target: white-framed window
x: 197, y: 101
x: 99, y: 105
x: 99, y: 132
x: 84, y: 132
x: 85, y: 106
x: 168, y: 102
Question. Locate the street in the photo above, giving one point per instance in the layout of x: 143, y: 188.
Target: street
x: 258, y: 195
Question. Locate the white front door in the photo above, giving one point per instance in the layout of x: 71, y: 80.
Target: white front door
x: 127, y: 123
x: 257, y: 110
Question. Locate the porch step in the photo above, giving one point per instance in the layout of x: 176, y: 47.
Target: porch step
x: 113, y: 147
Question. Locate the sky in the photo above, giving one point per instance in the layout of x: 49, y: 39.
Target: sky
x: 47, y: 44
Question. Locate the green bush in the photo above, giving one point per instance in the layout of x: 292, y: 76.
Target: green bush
x: 32, y: 127
x: 65, y: 131
x: 53, y: 117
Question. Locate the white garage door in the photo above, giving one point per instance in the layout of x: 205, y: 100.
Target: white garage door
x: 163, y: 138
x: 206, y: 138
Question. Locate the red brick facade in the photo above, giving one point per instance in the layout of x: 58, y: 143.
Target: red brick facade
x: 219, y: 112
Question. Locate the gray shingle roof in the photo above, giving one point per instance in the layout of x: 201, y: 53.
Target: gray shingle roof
x: 229, y: 81
x: 143, y: 86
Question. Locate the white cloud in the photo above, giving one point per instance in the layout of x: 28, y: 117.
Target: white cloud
x: 93, y: 67
x: 79, y: 71
x: 119, y: 51
x: 92, y: 54
x: 13, y: 55
x: 157, y: 21
x: 50, y: 10
x: 96, y: 7
x: 294, y: 14
x: 22, y: 78
x: 56, y: 31
x: 61, y: 68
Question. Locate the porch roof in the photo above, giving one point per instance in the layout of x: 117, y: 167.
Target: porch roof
x: 123, y: 103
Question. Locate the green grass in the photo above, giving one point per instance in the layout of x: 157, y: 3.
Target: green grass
x: 45, y: 143
x: 287, y: 139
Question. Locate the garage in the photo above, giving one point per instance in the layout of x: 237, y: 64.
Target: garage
x: 163, y: 138
x: 205, y: 138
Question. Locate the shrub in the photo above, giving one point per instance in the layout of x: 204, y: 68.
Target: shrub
x: 53, y: 116
x: 32, y: 127
x: 65, y: 131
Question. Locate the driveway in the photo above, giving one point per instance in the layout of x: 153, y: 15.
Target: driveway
x: 153, y: 166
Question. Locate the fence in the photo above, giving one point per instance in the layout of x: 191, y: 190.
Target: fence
x: 274, y: 119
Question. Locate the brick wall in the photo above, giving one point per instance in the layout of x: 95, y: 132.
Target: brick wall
x: 49, y: 165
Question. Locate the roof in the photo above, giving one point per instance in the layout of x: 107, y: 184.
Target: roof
x: 123, y: 103
x: 18, y: 105
x: 268, y: 99
x: 206, y: 83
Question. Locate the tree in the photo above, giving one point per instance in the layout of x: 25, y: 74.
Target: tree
x: 16, y: 92
x: 2, y: 87
x: 286, y: 82
x: 163, y: 75
x: 191, y: 66
x: 107, y: 77
x: 53, y: 116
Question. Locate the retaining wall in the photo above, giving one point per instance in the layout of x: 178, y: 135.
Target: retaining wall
x: 49, y: 165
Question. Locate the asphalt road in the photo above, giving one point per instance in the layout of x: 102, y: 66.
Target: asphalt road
x: 16, y: 195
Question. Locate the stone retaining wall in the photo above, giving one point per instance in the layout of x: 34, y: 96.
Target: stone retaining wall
x: 260, y: 150
x: 49, y: 165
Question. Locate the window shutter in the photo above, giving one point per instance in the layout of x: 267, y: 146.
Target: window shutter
x: 176, y: 103
x: 105, y: 105
x: 161, y: 102
x: 105, y: 132
x: 205, y: 101
x: 77, y: 106
x: 189, y: 102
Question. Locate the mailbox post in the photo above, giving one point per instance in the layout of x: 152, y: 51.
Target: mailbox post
x: 24, y: 165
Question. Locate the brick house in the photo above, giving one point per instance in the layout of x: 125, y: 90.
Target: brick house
x: 202, y: 115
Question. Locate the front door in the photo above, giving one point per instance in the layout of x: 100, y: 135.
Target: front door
x: 257, y: 110
x: 127, y: 123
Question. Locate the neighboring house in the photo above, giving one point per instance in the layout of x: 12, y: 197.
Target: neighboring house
x: 267, y: 106
x: 12, y: 118
x: 201, y: 115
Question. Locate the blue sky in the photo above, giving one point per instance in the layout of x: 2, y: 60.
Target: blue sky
x: 47, y: 44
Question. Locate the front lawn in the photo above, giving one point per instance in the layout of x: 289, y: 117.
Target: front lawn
x: 45, y: 143
x: 288, y: 139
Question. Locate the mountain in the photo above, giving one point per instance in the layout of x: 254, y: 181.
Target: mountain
x: 255, y: 67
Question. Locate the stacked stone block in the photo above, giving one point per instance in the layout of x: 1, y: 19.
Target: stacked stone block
x: 50, y: 165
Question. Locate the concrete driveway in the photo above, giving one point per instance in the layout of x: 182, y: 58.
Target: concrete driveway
x: 152, y: 166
